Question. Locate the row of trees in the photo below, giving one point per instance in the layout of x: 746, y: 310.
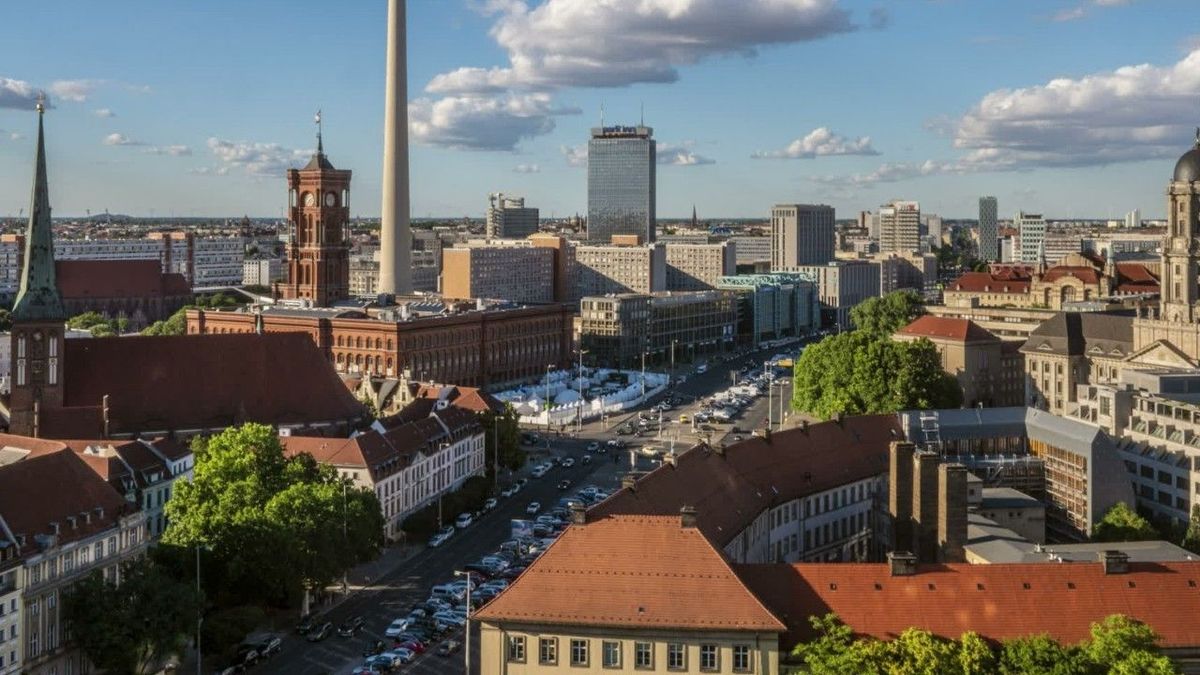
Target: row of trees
x: 1118, y: 646
x: 176, y: 324
x: 99, y: 326
x: 864, y: 371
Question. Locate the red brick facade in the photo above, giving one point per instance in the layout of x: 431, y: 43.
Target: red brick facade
x: 319, y: 251
x: 474, y: 348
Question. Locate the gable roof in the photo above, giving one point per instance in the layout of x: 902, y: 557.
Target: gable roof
x: 730, y: 488
x: 947, y: 328
x: 167, y: 383
x: 998, y: 601
x: 1087, y: 275
x: 1107, y: 334
x: 979, y: 282
x: 81, y: 279
x: 32, y: 496
x: 603, y: 562
x: 470, y: 398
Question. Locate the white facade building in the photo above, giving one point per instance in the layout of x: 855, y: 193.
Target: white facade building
x: 1032, y: 230
x: 262, y: 271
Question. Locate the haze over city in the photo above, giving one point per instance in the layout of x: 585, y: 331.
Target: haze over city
x: 1071, y: 108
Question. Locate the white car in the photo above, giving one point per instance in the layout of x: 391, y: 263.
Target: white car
x: 593, y: 446
x: 490, y: 503
x: 533, y: 508
x: 568, y: 463
x: 401, y: 654
x: 438, y: 539
x: 396, y: 627
x: 463, y: 521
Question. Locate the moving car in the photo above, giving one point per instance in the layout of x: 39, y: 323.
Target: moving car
x: 533, y: 508
x: 438, y: 539
x: 449, y: 647
x: 320, y: 632
x: 351, y: 626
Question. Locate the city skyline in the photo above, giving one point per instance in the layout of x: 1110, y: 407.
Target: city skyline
x: 171, y: 121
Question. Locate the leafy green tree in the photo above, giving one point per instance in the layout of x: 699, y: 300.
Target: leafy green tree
x: 917, y: 651
x: 1191, y: 539
x: 86, y: 320
x: 5, y: 320
x: 1122, y: 523
x: 975, y: 656
x: 102, y: 330
x: 132, y: 627
x: 1039, y: 654
x: 1142, y: 663
x: 861, y: 373
x: 276, y: 526
x: 887, y: 314
x: 176, y: 324
x: 1116, y: 638
x: 504, y: 429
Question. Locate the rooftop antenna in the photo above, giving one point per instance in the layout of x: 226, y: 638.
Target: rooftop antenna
x: 601, y: 115
x: 641, y: 113
x: 317, y: 121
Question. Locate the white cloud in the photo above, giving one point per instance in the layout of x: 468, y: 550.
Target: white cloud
x: 1069, y: 14
x: 104, y: 112
x: 256, y: 159
x: 209, y: 171
x: 15, y: 136
x: 527, y: 168
x: 76, y: 91
x: 172, y: 150
x: 890, y: 173
x: 120, y: 139
x: 1111, y: 3
x: 820, y: 142
x: 482, y: 122
x: 17, y: 94
x: 680, y: 155
x: 565, y: 43
x: 576, y: 155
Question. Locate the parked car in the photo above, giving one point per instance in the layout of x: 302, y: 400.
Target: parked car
x: 593, y: 446
x: 320, y: 632
x: 246, y: 656
x: 449, y: 647
x: 463, y: 521
x: 438, y: 539
x: 533, y: 508
x: 269, y: 646
x: 396, y: 627
x: 564, y: 484
x: 587, y: 459
x: 490, y: 503
x: 374, y: 647
x: 307, y: 623
x: 351, y: 626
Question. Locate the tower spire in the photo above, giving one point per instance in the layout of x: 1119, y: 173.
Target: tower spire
x: 320, y: 145
x: 38, y: 297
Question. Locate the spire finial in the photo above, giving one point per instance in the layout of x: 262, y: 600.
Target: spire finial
x: 1198, y: 137
x: 317, y: 121
x: 41, y: 105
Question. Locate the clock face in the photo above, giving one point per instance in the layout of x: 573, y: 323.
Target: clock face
x: 309, y: 199
x: 330, y: 199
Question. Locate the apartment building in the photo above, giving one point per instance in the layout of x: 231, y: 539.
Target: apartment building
x: 752, y: 250
x: 262, y: 271
x: 801, y: 234
x: 513, y: 271
x: 698, y: 267
x: 624, y: 266
x: 900, y: 227
x: 842, y: 285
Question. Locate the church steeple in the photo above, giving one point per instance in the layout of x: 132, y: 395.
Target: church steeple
x: 38, y: 298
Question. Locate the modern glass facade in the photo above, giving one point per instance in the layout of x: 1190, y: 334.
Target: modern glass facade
x: 621, y: 183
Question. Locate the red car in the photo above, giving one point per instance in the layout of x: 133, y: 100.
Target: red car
x: 415, y: 646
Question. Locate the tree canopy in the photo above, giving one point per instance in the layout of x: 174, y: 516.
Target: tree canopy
x: 887, y: 314
x: 863, y: 373
x: 1121, y: 523
x: 1117, y: 644
x: 275, y: 525
x: 176, y: 324
x: 130, y: 628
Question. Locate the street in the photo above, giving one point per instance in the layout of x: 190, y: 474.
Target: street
x: 395, y: 592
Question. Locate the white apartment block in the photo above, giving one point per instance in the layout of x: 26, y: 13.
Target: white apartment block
x: 842, y: 285
x: 263, y: 271
x: 615, y: 268
x: 513, y: 271
x: 203, y: 261
x: 900, y: 227
x: 1031, y: 228
x: 508, y: 217
x: 752, y: 249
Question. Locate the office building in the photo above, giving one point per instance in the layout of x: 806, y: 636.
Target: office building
x: 1031, y: 228
x: 752, y: 250
x: 617, y: 329
x: 696, y: 267
x: 262, y: 271
x: 1133, y: 218
x: 774, y: 306
x: 989, y: 233
x: 508, y: 217
x: 517, y: 271
x: 624, y: 266
x: 912, y: 271
x: 842, y: 285
x: 900, y: 227
x: 621, y: 183
x: 801, y: 234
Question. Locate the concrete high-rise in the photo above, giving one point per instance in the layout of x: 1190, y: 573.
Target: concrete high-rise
x: 801, y: 234
x: 621, y: 183
x: 900, y: 227
x: 1032, y: 230
x: 989, y: 246
x: 395, y: 233
x: 509, y: 218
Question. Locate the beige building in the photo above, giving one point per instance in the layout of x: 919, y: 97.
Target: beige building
x: 973, y: 356
x: 1079, y: 277
x: 507, y: 270
x: 801, y: 234
x: 624, y: 266
x: 842, y: 285
x: 593, y: 604
x: 698, y: 267
x: 900, y: 227
x: 907, y: 270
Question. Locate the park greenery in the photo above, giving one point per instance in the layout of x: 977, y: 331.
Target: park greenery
x: 273, y: 528
x: 134, y: 626
x: 1118, y: 645
x: 98, y: 325
x: 864, y: 371
x: 176, y: 324
x: 1122, y: 523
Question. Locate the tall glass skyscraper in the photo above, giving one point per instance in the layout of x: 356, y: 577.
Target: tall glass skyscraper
x: 621, y: 192
x: 989, y: 247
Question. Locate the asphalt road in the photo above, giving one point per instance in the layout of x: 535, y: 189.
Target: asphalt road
x: 393, y: 594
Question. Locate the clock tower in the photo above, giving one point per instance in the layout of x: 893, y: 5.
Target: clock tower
x: 38, y: 316
x: 318, y: 254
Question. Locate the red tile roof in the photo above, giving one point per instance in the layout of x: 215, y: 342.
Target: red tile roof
x: 597, y: 575
x: 979, y: 282
x: 1087, y: 275
x: 1136, y: 278
x: 730, y: 490
x: 947, y: 328
x: 160, y: 383
x: 48, y: 488
x: 79, y: 279
x: 996, y: 601
x: 471, y: 398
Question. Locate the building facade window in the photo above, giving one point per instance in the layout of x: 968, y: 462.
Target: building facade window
x: 611, y: 654
x: 579, y: 652
x: 643, y: 655
x: 516, y: 648
x: 676, y: 656
x: 741, y: 658
x: 548, y: 651
x: 709, y: 661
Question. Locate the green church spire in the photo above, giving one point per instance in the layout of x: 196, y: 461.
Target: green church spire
x: 38, y: 298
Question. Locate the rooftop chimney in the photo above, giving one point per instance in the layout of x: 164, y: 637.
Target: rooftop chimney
x: 54, y: 527
x: 99, y: 512
x: 72, y: 522
x: 687, y: 516
x: 629, y: 481
x: 578, y: 514
x: 1115, y: 562
x: 902, y: 563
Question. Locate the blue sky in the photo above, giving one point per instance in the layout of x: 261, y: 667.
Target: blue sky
x: 1077, y: 108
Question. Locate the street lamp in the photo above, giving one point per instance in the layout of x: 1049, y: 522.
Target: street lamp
x: 579, y: 417
x: 467, y: 645
x: 547, y: 409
